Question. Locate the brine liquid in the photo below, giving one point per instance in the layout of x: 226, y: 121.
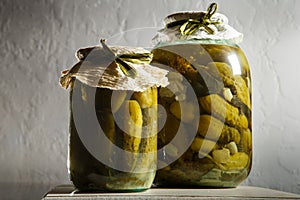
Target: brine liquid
x: 208, y: 102
x: 111, y: 133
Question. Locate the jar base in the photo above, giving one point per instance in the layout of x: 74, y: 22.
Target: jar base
x: 215, y: 178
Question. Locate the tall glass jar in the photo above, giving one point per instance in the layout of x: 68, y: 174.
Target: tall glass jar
x: 206, y: 139
x: 113, y: 118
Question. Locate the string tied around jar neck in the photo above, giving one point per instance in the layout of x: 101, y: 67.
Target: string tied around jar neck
x: 122, y: 59
x: 189, y: 26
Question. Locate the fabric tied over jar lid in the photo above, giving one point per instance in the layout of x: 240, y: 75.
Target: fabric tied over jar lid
x: 203, y: 25
x: 115, y: 68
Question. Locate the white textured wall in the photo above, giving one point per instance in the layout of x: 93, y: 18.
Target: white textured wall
x: 39, y: 39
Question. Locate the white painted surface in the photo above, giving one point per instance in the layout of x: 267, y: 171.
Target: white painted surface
x: 39, y: 39
x: 65, y: 192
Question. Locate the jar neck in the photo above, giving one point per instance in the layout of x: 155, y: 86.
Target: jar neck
x: 196, y: 41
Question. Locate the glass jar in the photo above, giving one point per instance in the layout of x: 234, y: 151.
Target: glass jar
x: 113, y: 119
x: 206, y: 139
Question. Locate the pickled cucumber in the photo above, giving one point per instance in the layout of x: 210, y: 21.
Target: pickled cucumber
x: 136, y: 134
x: 212, y: 128
x: 220, y: 154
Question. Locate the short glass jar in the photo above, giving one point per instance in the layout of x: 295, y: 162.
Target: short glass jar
x: 113, y: 119
x: 207, y: 137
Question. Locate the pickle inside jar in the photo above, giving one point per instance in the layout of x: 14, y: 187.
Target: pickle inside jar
x: 130, y: 132
x: 221, y: 153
